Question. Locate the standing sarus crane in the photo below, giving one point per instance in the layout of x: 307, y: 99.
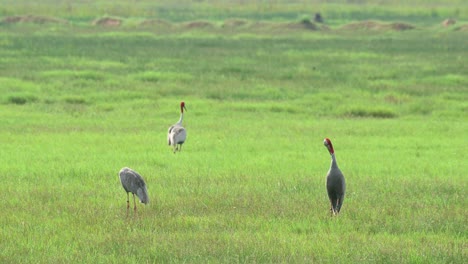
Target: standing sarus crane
x: 336, y: 185
x: 177, y: 134
x: 133, y: 183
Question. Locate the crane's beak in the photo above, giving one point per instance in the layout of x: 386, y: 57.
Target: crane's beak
x: 185, y: 108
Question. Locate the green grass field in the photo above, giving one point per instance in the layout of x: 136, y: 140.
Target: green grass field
x: 80, y: 102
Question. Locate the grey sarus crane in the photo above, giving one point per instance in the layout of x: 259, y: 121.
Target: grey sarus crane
x: 133, y: 183
x: 336, y: 185
x: 177, y: 134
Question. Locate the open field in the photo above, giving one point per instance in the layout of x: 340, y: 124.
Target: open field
x: 336, y: 12
x: 79, y: 102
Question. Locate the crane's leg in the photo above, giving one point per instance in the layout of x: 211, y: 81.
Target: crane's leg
x: 340, y: 202
x: 337, y: 206
x: 134, y: 203
x: 332, y: 208
x: 128, y: 201
x: 180, y: 147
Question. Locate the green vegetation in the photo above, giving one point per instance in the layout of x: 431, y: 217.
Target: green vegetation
x: 336, y: 12
x: 78, y: 102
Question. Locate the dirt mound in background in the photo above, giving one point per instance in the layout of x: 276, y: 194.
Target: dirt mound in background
x: 401, y: 26
x: 234, y: 23
x: 159, y: 23
x: 306, y: 24
x: 364, y: 25
x: 107, y: 22
x: 33, y: 19
x: 197, y: 24
x: 283, y: 27
x: 377, y: 26
x: 448, y: 22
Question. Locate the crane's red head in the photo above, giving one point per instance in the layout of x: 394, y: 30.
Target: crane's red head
x: 182, y: 107
x: 328, y: 145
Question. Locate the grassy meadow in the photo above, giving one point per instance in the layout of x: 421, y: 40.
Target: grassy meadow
x: 78, y: 102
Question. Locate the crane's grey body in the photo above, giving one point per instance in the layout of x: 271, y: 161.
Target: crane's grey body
x: 176, y: 134
x: 132, y: 182
x: 336, y: 186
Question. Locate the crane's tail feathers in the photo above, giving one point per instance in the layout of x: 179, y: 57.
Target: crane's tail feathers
x: 142, y: 194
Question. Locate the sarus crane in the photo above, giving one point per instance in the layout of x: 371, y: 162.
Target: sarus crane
x: 133, y: 183
x: 336, y: 185
x: 177, y: 134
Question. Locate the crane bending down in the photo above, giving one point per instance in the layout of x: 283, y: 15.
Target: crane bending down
x: 177, y: 134
x: 133, y: 183
x: 336, y: 185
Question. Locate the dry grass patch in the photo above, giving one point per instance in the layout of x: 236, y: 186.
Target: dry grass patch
x: 370, y: 25
x: 33, y: 19
x: 158, y: 23
x: 306, y: 24
x: 198, y: 25
x: 283, y: 27
x: 107, y: 22
x: 398, y: 26
x: 235, y: 23
x: 449, y: 22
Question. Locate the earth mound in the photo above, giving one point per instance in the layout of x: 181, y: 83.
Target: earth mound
x: 448, y: 22
x: 33, y: 19
x: 198, y: 24
x: 107, y: 22
x: 159, y: 23
x: 371, y: 25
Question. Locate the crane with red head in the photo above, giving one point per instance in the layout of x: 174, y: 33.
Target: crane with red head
x: 336, y: 185
x: 177, y: 134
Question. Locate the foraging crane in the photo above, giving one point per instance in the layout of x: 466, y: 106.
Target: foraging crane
x: 133, y: 183
x: 177, y: 134
x: 336, y: 185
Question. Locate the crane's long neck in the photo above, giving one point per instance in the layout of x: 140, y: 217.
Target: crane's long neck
x: 333, y: 161
x: 181, y: 118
